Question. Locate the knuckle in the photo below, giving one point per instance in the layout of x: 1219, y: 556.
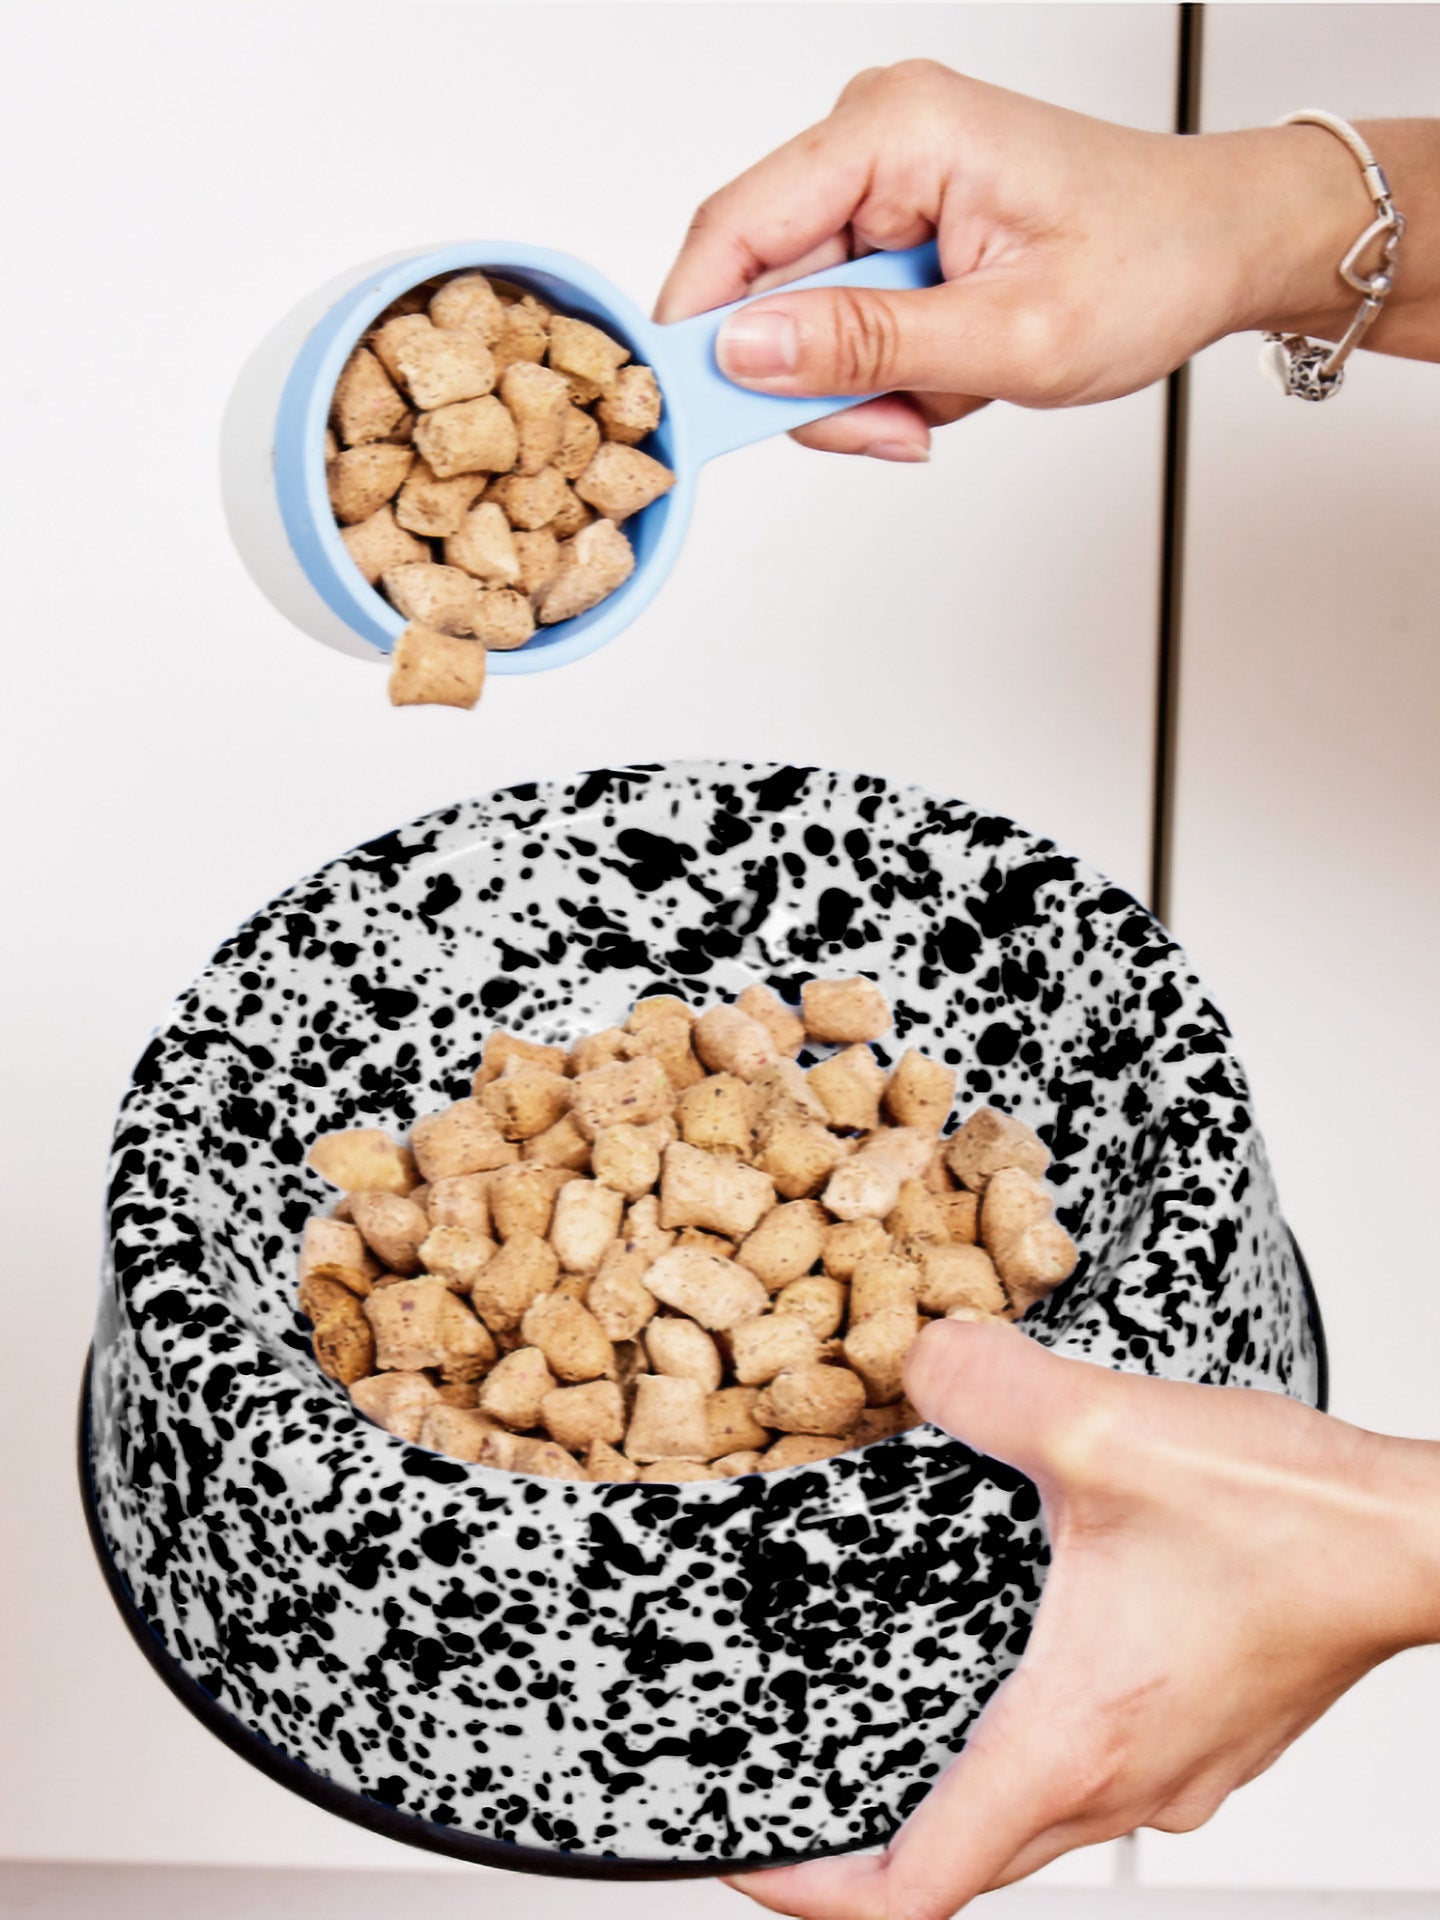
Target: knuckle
x: 864, y: 340
x: 1042, y: 344
x: 1187, y: 1810
x: 918, y: 72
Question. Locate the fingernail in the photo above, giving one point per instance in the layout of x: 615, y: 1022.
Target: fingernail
x: 896, y: 450
x: 756, y: 346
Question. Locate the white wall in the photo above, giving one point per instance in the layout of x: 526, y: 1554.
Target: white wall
x: 1307, y: 887
x: 176, y: 178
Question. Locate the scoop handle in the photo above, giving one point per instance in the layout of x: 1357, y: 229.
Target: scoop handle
x: 718, y: 415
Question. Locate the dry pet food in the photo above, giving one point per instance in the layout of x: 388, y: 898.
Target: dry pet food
x: 483, y: 456
x: 669, y: 1251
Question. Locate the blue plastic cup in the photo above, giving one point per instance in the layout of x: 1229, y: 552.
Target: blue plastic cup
x: 274, y: 460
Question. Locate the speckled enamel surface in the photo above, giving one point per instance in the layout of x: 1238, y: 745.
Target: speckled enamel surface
x: 769, y: 1666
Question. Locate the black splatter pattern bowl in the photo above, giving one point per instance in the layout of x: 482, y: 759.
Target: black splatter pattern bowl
x: 633, y: 1679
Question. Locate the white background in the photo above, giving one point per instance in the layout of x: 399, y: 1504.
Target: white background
x: 177, y: 176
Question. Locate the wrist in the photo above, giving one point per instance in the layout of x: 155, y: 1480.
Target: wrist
x: 1292, y: 201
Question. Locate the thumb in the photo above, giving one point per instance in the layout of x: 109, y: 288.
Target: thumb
x: 968, y: 336
x: 1005, y: 1395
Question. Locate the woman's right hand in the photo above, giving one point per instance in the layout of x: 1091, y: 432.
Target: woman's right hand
x: 1082, y: 260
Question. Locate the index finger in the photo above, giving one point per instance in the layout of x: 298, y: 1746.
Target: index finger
x: 769, y: 216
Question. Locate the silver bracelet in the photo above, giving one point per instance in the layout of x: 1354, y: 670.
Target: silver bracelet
x: 1314, y: 369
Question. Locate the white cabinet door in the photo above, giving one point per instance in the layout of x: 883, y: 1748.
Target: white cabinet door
x: 1307, y: 890
x: 178, y: 178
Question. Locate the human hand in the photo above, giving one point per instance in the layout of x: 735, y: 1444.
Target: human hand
x: 1225, y: 1564
x: 1082, y: 260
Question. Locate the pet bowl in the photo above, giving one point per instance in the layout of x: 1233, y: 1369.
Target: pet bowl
x: 272, y: 443
x: 636, y: 1680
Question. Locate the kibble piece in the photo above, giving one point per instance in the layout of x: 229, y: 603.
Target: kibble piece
x: 631, y: 408
x: 462, y: 1200
x: 937, y: 1177
x: 460, y: 1393
x: 626, y: 1158
x: 516, y: 1388
x: 344, y: 1345
x: 920, y: 1091
x: 916, y: 1218
x: 393, y: 1227
x: 576, y: 1417
x: 882, y: 1280
x: 569, y: 1336
x: 643, y: 1230
x: 961, y: 1213
x: 420, y: 1323
x: 334, y: 1250
x: 522, y: 1199
x: 850, y: 1085
x: 472, y: 436
x: 484, y: 547
x: 848, y: 1242
x: 799, y: 1450
x: 522, y: 1271
x: 503, y: 620
x: 699, y: 1189
x: 378, y: 543
x: 461, y: 1138
x: 586, y: 1221
x: 729, y: 1041
x: 539, y: 402
x: 365, y: 405
x: 876, y: 1350
x: 436, y: 365
x: 713, y: 1291
x: 783, y: 1090
x: 629, y: 1091
x: 591, y: 566
x: 524, y: 332
x: 579, y: 439
x: 443, y: 598
x: 437, y: 508
x: 362, y: 479
x: 515, y: 1453
x: 460, y: 1432
x: 526, y: 1101
x: 530, y: 500
x: 731, y: 1465
x: 787, y: 1242
x: 869, y: 1182
x: 844, y: 1010
x: 671, y: 1473
x: 812, y: 1399
x: 594, y: 1050
x: 670, y: 1045
x: 456, y: 1255
x: 715, y: 1114
x: 881, y: 1423
x: 574, y: 515
x: 959, y: 1277
x: 316, y: 1297
x: 431, y: 669
x: 562, y: 1145
x: 539, y: 555
x: 398, y: 1402
x: 502, y: 1050
x: 799, y: 1155
x: 677, y: 1346
x: 585, y: 353
x: 618, y: 1296
x: 1032, y: 1252
x: 732, y: 1422
x: 364, y: 1160
x: 990, y: 1140
x: 468, y: 302
x: 602, y: 1462
x: 761, y: 1347
x: 668, y: 1421
x: 819, y: 1301
x: 621, y: 480
x: 786, y: 1029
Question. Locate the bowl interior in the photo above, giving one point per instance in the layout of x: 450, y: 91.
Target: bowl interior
x: 362, y: 995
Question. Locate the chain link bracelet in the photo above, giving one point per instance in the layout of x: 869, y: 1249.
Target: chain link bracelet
x: 1314, y: 369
